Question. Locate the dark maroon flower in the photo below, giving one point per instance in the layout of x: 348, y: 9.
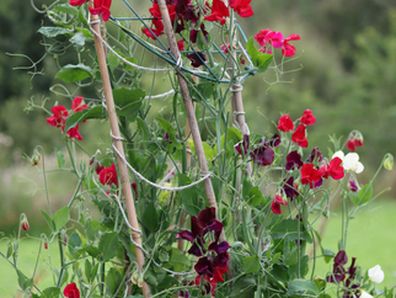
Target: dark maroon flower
x: 263, y: 155
x: 353, y: 185
x: 197, y: 59
x: 341, y: 258
x: 293, y: 161
x: 219, y: 248
x: 275, y: 141
x: 315, y: 155
x: 290, y: 189
x: 204, y: 266
x: 185, y: 10
x: 242, y: 147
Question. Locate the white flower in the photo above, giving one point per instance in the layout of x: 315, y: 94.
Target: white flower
x: 350, y: 162
x: 364, y: 294
x: 376, y: 274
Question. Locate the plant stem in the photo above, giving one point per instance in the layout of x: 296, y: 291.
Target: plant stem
x: 192, y: 120
x: 115, y: 130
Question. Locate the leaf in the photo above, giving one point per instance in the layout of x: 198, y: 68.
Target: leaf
x: 74, y: 73
x: 60, y: 158
x: 253, y: 195
x: 113, y: 281
x: 128, y: 101
x: 23, y: 281
x: 289, y: 229
x: 150, y: 219
x: 51, y: 32
x: 251, y: 264
x: 74, y: 242
x: 363, y: 196
x: 210, y: 153
x: 299, y: 287
x: 96, y: 112
x: 90, y: 270
x: 189, y: 197
x: 51, y: 292
x: 78, y: 39
x: 49, y: 220
x: 109, y: 246
x: 61, y: 217
x: 259, y: 59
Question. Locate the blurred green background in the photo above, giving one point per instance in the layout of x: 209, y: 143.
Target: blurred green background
x: 345, y: 72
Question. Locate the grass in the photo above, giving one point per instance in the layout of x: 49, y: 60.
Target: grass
x: 372, y: 239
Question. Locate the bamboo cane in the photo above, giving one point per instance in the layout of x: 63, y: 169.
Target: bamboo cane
x: 192, y: 120
x: 117, y: 142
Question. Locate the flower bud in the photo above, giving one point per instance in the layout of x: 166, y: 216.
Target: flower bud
x: 388, y: 162
x: 24, y: 223
x: 36, y: 157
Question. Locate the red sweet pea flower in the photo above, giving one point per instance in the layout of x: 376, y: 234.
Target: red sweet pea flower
x: 308, y: 118
x: 59, y: 116
x: 108, y: 175
x: 242, y: 7
x: 78, y: 104
x: 219, y: 12
x: 300, y: 136
x: 102, y: 8
x: 352, y: 144
x: 289, y: 50
x: 71, y: 291
x: 74, y: 133
x: 276, y: 204
x: 285, y: 123
x: 334, y: 170
x: 180, y: 45
x: 77, y: 2
x: 310, y: 175
x: 158, y: 27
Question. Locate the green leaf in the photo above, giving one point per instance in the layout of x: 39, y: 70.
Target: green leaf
x: 90, y: 270
x: 52, y: 292
x: 363, y: 196
x: 178, y: 260
x: 300, y: 287
x: 251, y: 264
x: 78, y: 39
x: 113, y: 281
x: 23, y: 281
x: 190, y: 196
x: 61, y: 217
x: 53, y: 31
x: 291, y: 230
x: 96, y: 112
x: 150, y: 219
x: 74, y: 73
x: 128, y: 102
x: 109, y: 246
x: 60, y: 158
x: 49, y: 220
x: 74, y: 242
x: 259, y: 59
x: 253, y: 195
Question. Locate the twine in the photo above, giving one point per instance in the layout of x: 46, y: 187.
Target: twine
x: 158, y: 186
x: 108, y: 46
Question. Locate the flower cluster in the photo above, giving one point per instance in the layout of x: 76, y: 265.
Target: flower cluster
x: 347, y: 277
x: 206, y: 244
x: 269, y: 40
x: 354, y: 141
x: 100, y: 7
x: 60, y: 115
x: 183, y: 11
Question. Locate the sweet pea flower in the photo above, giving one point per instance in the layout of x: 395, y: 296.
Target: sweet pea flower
x: 364, y: 294
x: 219, y: 12
x: 350, y: 162
x: 285, y: 123
x: 376, y: 274
x: 71, y: 291
x: 242, y: 8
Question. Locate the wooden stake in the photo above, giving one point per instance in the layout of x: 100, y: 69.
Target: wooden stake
x: 192, y: 120
x: 115, y: 130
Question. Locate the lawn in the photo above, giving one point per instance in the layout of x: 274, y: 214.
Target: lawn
x: 372, y: 240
